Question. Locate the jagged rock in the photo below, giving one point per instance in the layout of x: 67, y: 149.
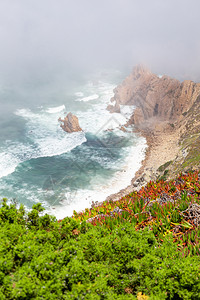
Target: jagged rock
x: 122, y: 128
x: 70, y: 123
x: 114, y: 108
x: 163, y: 98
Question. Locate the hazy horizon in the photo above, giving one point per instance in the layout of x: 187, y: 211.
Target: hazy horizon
x: 45, y: 40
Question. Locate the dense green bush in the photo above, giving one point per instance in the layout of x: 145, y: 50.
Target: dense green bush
x: 42, y: 258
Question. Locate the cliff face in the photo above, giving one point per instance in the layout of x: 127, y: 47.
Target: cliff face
x: 168, y: 113
x: 164, y: 98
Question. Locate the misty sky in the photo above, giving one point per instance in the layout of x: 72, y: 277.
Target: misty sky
x: 39, y: 37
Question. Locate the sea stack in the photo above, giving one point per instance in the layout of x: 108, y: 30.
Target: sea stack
x: 70, y: 123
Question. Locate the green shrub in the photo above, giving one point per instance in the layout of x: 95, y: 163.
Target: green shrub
x: 115, y: 257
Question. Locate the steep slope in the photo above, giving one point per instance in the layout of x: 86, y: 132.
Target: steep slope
x: 188, y: 157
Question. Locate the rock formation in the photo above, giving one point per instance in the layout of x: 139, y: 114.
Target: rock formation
x: 162, y: 97
x: 114, y: 108
x: 70, y: 123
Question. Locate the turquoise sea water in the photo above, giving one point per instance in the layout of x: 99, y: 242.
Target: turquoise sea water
x: 39, y: 162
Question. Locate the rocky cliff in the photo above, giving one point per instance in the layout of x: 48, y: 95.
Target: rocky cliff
x: 70, y: 123
x: 162, y: 97
x: 168, y: 114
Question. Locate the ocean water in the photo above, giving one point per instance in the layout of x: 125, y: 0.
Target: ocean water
x: 39, y: 162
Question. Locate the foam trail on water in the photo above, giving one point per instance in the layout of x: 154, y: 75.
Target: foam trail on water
x: 89, y: 98
x: 51, y: 147
x: 8, y: 163
x: 53, y: 110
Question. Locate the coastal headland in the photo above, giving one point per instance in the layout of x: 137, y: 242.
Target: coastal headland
x: 167, y: 114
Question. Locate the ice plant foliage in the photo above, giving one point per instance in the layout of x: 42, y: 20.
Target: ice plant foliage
x: 161, y: 206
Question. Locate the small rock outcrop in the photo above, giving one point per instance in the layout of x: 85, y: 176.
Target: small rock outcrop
x: 70, y: 123
x: 161, y: 98
x: 114, y: 108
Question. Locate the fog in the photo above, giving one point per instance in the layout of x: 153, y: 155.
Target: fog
x: 45, y: 40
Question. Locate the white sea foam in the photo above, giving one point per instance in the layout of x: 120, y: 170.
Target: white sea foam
x: 89, y: 98
x: 96, y: 118
x: 103, y: 120
x: 83, y: 198
x: 8, y: 163
x: 50, y: 146
x: 45, y: 139
x: 127, y: 110
x: 53, y: 110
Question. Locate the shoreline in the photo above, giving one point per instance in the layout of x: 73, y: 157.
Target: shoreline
x: 119, y: 180
x: 162, y: 146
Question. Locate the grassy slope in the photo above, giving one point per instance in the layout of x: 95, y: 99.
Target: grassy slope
x: 149, y: 247
x: 189, y: 156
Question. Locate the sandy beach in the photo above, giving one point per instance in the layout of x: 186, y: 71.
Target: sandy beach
x: 162, y: 141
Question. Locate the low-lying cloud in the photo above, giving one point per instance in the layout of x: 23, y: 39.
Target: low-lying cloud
x: 42, y: 39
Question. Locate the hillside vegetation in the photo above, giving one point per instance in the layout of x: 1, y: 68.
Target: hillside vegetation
x: 144, y: 246
x: 189, y: 155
